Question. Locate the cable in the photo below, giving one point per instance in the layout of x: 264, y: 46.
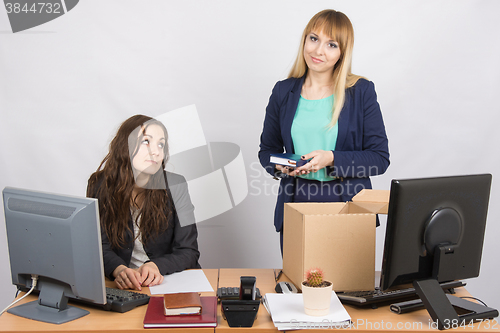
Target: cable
x: 476, y: 299
x: 34, y: 280
x: 279, y: 275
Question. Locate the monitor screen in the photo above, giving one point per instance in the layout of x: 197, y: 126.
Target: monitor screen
x: 430, y: 212
x: 56, y: 238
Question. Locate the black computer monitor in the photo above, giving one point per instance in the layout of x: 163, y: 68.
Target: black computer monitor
x: 435, y: 232
x: 58, y: 239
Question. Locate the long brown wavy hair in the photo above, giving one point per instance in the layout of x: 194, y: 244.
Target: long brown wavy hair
x: 113, y: 184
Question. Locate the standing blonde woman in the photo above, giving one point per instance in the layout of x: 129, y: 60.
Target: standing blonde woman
x: 327, y: 115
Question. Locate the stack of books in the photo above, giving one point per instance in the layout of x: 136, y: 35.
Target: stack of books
x: 181, y: 310
x: 288, y: 159
x: 287, y: 312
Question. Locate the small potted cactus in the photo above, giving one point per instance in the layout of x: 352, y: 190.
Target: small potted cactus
x: 317, y: 293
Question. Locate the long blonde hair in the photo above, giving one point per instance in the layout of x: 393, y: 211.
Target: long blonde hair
x: 338, y: 27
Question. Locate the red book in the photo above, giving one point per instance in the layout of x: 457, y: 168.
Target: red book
x: 155, y: 317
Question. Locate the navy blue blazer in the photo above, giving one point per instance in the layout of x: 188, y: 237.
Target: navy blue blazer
x: 362, y: 146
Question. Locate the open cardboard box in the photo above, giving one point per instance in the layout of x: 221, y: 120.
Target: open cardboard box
x: 337, y: 237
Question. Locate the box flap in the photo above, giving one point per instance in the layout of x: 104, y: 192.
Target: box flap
x: 317, y: 208
x: 293, y: 243
x: 376, y: 201
x: 362, y: 208
x: 365, y: 195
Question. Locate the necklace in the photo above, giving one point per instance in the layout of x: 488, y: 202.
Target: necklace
x: 306, y: 93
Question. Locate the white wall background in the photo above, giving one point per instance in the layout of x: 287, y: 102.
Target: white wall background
x: 66, y: 85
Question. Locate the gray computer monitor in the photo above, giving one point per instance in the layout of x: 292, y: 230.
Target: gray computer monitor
x: 57, y: 238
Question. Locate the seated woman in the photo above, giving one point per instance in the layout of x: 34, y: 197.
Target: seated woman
x: 147, y: 218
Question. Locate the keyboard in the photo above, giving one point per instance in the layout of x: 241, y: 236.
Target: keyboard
x: 233, y: 293
x: 123, y: 300
x: 371, y: 297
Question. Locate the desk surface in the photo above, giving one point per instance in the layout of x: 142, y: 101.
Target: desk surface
x: 97, y: 320
x: 364, y: 319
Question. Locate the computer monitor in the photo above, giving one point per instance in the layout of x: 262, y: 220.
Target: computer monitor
x: 58, y: 239
x: 435, y: 232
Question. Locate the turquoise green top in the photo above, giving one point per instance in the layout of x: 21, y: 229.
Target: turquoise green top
x: 310, y: 130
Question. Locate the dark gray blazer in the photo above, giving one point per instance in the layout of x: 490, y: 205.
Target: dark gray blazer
x: 174, y: 250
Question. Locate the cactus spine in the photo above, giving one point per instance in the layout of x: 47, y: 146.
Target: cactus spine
x: 314, y: 277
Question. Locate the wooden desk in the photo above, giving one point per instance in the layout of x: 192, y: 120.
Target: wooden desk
x: 382, y: 319
x: 98, y: 320
x: 368, y: 320
x: 364, y: 319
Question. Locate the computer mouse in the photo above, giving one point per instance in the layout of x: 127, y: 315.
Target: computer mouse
x: 285, y: 288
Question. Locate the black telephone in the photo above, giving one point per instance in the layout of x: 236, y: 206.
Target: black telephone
x: 241, y: 311
x: 233, y: 293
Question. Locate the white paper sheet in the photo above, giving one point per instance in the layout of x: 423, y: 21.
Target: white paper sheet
x: 183, y: 282
x: 287, y: 312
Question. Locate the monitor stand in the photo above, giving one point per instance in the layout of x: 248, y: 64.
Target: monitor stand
x: 51, y: 306
x: 449, y: 311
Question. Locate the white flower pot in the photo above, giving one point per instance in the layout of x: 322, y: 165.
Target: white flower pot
x: 317, y: 299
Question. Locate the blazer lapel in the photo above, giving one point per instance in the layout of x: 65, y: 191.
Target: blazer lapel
x: 291, y: 108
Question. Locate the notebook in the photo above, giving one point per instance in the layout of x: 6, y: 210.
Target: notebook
x: 288, y: 159
x: 182, y: 304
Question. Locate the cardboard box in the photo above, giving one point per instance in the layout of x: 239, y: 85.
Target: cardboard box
x: 336, y: 237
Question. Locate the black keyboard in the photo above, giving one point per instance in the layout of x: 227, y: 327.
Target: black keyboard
x: 123, y: 300
x: 371, y: 297
x: 233, y: 293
